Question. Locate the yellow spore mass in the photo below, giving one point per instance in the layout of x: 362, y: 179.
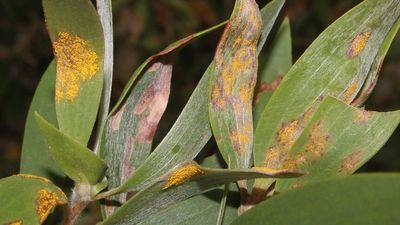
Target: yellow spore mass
x: 183, y: 174
x: 348, y: 94
x: 265, y: 170
x: 358, y: 44
x: 45, y: 202
x: 17, y: 222
x: 76, y: 62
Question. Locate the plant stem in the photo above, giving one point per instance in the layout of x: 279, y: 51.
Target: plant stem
x: 105, y: 12
x: 222, y: 206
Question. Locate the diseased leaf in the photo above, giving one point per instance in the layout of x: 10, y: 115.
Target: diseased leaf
x: 232, y: 85
x: 74, y: 159
x: 182, y: 183
x: 337, y: 64
x: 337, y: 141
x: 28, y: 199
x: 373, y: 74
x: 191, y: 130
x: 278, y: 63
x: 186, y: 138
x: 34, y: 156
x: 129, y: 132
x: 360, y: 199
x: 78, y: 44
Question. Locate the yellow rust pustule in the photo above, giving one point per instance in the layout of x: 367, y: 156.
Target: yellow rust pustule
x: 76, y: 62
x: 45, y: 202
x: 285, y: 138
x: 16, y: 222
x: 358, y: 44
x: 317, y: 141
x: 351, y: 162
x: 183, y: 174
x: 265, y: 170
x: 349, y: 94
x: 362, y: 116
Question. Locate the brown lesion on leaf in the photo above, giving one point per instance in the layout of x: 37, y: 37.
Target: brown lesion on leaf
x: 351, y: 162
x: 76, y: 62
x: 267, y: 87
x: 317, y: 141
x: 218, y: 101
x: 362, y: 116
x: 285, y: 138
x: 241, y: 138
x: 115, y: 120
x: 153, y: 103
x: 45, y: 202
x: 295, y: 161
x: 358, y: 44
x: 349, y: 94
x: 183, y: 174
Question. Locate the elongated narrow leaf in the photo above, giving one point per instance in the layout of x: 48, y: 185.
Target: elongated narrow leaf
x: 279, y: 61
x: 191, y: 131
x: 186, y: 181
x: 360, y: 199
x: 337, y: 63
x: 169, y: 49
x: 28, y: 199
x: 269, y: 13
x: 129, y: 133
x: 232, y: 85
x: 74, y: 159
x: 338, y: 140
x: 373, y: 74
x: 78, y: 45
x: 35, y: 158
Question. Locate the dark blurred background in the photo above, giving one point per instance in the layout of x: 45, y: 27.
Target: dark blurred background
x: 143, y: 27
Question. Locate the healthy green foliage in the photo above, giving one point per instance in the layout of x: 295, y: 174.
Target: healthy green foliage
x: 28, y: 199
x: 35, y: 158
x: 360, y: 199
x: 74, y: 159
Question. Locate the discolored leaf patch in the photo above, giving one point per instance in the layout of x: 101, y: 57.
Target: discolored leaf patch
x: 358, y: 44
x: 45, y: 202
x: 232, y: 84
x: 351, y: 162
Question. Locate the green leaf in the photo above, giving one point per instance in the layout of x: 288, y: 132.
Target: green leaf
x: 359, y: 199
x: 278, y: 63
x: 269, y: 13
x: 78, y: 44
x: 373, y: 74
x: 337, y: 63
x: 129, y: 132
x: 74, y: 159
x: 186, y: 181
x: 34, y: 156
x: 337, y: 141
x: 28, y: 199
x: 232, y: 85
